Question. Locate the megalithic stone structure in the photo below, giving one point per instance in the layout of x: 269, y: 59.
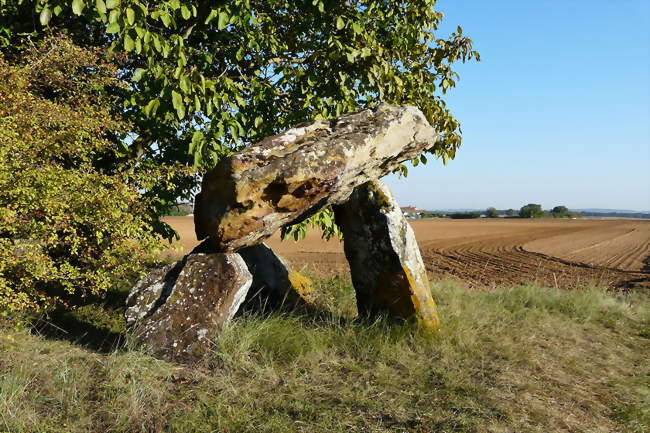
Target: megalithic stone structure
x: 178, y: 311
x: 385, y: 262
x: 273, y: 282
x: 285, y: 178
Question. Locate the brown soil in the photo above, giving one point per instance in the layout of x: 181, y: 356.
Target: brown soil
x: 563, y: 253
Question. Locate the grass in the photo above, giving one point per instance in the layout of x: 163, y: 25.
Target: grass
x: 520, y: 359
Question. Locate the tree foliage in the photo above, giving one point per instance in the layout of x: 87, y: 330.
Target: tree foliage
x: 531, y: 210
x: 74, y: 214
x: 560, y: 212
x: 206, y: 78
x: 491, y: 212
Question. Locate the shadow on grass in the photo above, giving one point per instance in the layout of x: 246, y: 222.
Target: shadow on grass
x: 98, y: 325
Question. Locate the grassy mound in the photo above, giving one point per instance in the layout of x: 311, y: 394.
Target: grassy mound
x: 522, y: 359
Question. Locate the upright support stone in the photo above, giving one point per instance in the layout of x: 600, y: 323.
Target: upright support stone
x: 273, y: 281
x: 179, y: 310
x: 385, y: 262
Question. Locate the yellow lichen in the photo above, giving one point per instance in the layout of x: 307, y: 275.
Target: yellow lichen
x: 380, y: 198
x: 301, y: 285
x: 423, y: 303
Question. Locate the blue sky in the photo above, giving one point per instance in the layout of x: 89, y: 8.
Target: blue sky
x: 556, y: 112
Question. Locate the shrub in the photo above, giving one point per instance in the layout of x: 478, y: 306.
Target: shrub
x: 73, y: 217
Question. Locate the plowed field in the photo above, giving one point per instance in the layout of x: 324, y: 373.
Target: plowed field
x: 562, y: 253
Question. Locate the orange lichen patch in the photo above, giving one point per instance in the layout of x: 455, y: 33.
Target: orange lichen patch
x: 423, y: 303
x: 302, y: 286
x: 403, y: 296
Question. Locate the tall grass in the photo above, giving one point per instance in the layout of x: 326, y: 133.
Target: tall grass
x: 519, y: 359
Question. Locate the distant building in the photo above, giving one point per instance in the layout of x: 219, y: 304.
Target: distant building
x: 412, y: 212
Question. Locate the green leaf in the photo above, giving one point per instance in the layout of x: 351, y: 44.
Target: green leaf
x: 211, y: 16
x: 340, y: 23
x: 234, y: 131
x: 78, y: 6
x: 258, y: 121
x: 223, y: 20
x: 185, y: 12
x: 177, y: 102
x: 114, y: 15
x: 151, y: 107
x: 195, y: 144
x: 137, y: 75
x: 129, y: 44
x: 112, y: 4
x: 165, y: 18
x: 123, y: 149
x: 198, y: 159
x: 356, y: 27
x: 101, y: 6
x: 113, y: 28
x: 185, y: 84
x: 45, y: 16
x: 130, y: 16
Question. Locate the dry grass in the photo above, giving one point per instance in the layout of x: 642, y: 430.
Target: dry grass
x: 523, y: 359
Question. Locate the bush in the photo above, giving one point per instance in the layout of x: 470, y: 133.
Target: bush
x: 73, y: 219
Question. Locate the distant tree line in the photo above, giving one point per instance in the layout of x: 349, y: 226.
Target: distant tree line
x: 617, y: 214
x: 531, y: 210
x: 464, y: 215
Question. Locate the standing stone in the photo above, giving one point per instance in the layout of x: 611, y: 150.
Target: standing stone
x: 272, y: 280
x: 285, y: 178
x: 150, y: 291
x: 179, y: 310
x: 385, y: 262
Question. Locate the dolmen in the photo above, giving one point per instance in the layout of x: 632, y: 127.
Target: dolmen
x: 179, y: 310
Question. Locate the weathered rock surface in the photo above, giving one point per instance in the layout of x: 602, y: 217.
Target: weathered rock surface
x: 385, y: 262
x: 273, y: 282
x: 249, y: 196
x: 177, y: 311
x: 147, y: 295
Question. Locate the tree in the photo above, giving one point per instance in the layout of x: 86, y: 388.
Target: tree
x: 510, y: 212
x: 73, y: 215
x: 560, y: 212
x: 491, y: 212
x: 531, y: 210
x: 206, y: 78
